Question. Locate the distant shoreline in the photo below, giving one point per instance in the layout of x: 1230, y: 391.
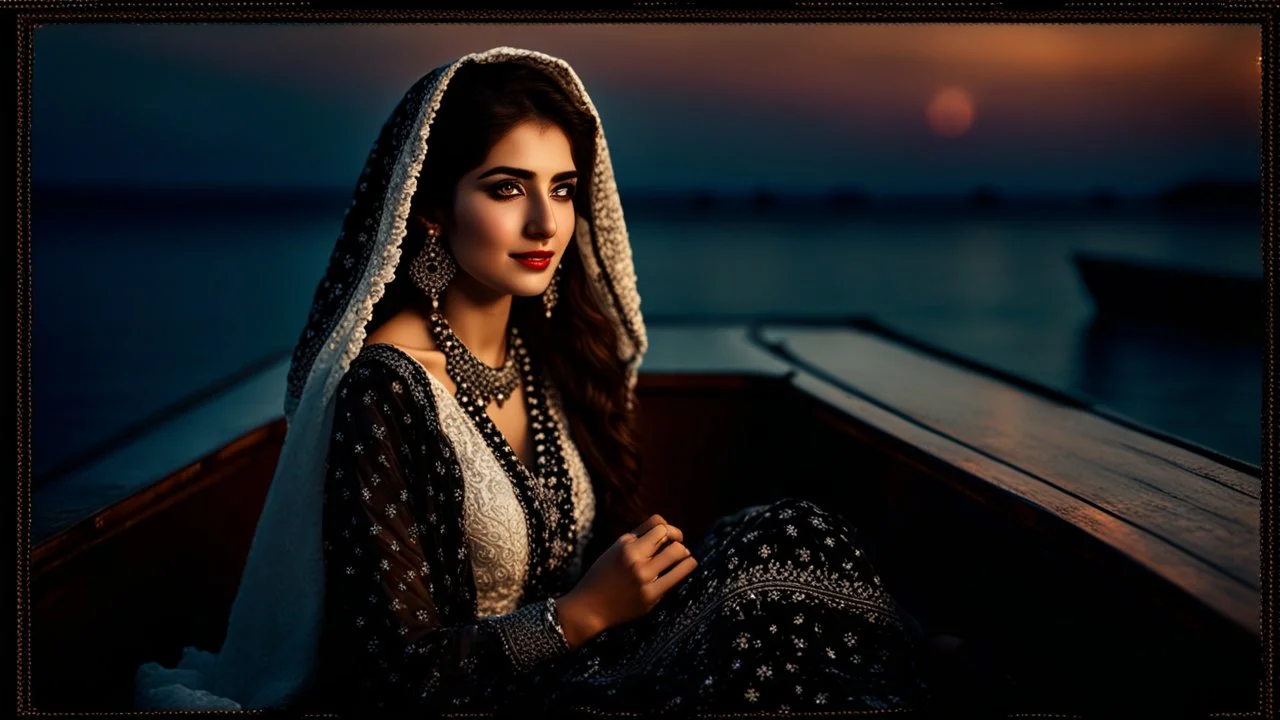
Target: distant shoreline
x: 1241, y: 197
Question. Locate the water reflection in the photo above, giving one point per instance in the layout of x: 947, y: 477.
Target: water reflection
x: 1148, y: 370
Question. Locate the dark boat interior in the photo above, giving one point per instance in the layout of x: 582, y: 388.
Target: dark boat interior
x: 1086, y: 564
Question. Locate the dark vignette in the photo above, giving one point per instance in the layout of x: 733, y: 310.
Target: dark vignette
x: 22, y: 18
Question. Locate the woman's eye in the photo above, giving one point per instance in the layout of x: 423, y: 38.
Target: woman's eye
x: 510, y: 189
x: 506, y: 189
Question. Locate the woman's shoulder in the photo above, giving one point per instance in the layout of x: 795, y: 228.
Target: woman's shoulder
x: 403, y: 337
x: 386, y: 370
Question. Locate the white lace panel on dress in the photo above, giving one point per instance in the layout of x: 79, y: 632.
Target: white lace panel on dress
x: 494, y: 520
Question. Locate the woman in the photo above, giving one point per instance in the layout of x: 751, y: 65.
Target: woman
x: 468, y: 539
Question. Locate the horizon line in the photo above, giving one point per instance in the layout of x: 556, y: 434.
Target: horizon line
x: 696, y: 193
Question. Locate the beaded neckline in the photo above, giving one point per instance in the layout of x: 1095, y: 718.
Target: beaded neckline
x: 546, y: 490
x: 547, y: 460
x: 486, y: 384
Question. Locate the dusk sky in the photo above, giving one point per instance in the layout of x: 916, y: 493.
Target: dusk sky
x: 1034, y: 109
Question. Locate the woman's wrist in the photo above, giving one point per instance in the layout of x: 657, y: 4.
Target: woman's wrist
x: 578, y: 622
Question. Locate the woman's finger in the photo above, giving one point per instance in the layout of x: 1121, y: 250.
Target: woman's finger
x: 652, y: 540
x: 655, y: 520
x: 671, y: 554
x: 675, y: 575
x: 649, y: 524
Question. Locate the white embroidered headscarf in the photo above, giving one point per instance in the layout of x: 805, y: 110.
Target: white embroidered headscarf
x: 270, y: 652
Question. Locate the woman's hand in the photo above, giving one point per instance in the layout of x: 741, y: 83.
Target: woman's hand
x: 626, y: 581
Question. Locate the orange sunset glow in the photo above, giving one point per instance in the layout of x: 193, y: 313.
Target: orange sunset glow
x: 764, y: 65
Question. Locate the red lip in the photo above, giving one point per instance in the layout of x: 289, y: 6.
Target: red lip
x: 534, y: 259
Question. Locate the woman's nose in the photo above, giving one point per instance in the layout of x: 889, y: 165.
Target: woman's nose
x: 542, y: 220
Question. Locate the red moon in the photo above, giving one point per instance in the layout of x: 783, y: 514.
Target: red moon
x: 950, y: 112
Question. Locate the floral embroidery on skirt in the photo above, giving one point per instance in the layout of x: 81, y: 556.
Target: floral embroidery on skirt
x: 783, y: 613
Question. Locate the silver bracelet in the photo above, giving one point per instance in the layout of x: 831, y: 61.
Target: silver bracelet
x: 553, y: 618
x: 531, y: 633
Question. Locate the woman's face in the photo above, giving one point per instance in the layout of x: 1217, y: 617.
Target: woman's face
x: 513, y: 215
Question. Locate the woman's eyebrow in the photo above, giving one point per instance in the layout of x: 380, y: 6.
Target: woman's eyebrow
x: 525, y: 174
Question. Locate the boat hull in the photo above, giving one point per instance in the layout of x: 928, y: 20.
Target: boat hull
x: 1126, y: 290
x: 1068, y: 620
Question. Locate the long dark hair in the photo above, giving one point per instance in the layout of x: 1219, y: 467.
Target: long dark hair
x: 578, y: 344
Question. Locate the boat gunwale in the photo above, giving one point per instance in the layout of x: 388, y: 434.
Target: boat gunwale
x: 1073, y: 399
x: 980, y: 480
x: 85, y: 535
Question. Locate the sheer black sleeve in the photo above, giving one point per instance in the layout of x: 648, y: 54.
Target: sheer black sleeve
x: 394, y: 549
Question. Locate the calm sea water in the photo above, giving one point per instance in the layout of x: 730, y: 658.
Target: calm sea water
x: 141, y: 302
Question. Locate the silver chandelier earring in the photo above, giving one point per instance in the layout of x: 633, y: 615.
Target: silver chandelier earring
x: 433, y: 268
x: 552, y: 293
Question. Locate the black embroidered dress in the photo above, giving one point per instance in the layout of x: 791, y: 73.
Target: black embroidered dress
x: 783, y: 612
